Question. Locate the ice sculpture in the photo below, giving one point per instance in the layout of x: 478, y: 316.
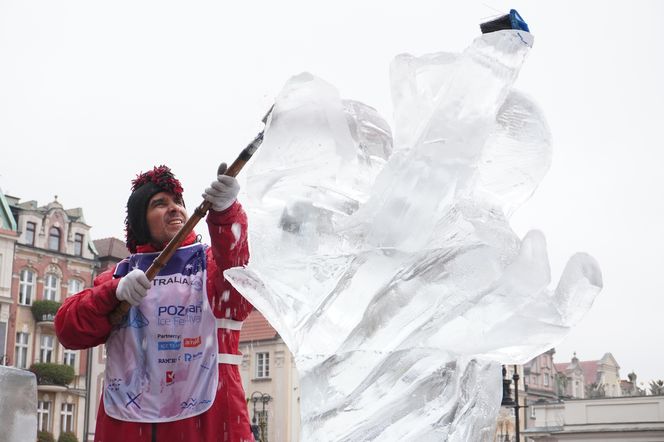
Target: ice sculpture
x: 391, y: 271
x: 18, y: 407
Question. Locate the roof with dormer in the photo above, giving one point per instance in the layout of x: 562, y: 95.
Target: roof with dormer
x: 590, y: 369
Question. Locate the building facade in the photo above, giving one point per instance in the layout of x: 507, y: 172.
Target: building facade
x: 590, y: 379
x: 543, y: 382
x: 53, y: 258
x: 8, y: 237
x: 540, y: 378
x: 624, y: 419
x: 270, y: 380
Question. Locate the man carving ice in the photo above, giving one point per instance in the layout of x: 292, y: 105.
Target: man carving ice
x: 172, y: 365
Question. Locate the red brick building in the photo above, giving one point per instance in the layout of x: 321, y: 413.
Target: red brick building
x: 53, y: 258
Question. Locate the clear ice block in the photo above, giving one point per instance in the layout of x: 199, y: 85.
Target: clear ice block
x: 18, y: 405
x: 395, y: 279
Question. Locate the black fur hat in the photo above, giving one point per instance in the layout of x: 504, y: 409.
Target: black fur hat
x: 144, y: 187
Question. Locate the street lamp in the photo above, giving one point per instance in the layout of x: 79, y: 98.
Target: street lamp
x: 259, y: 429
x: 507, y: 398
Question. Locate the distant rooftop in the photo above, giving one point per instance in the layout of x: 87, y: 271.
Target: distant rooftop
x: 256, y: 328
x: 111, y: 247
x: 590, y: 368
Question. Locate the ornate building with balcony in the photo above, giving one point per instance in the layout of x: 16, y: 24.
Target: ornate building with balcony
x: 53, y: 258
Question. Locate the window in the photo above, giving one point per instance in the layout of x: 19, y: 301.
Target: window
x: 263, y: 365
x: 26, y: 286
x: 546, y: 379
x: 54, y: 239
x: 51, y: 283
x: 67, y: 417
x: 46, y: 348
x: 21, y: 358
x: 78, y: 244
x: 43, y: 416
x: 30, y: 229
x: 74, y: 286
x: 532, y: 412
x: 70, y: 357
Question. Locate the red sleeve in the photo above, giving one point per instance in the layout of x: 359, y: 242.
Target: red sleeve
x: 228, y: 234
x: 82, y: 320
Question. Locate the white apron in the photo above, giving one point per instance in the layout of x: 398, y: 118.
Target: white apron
x: 161, y: 363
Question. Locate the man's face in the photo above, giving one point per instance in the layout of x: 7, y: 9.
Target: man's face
x: 165, y: 216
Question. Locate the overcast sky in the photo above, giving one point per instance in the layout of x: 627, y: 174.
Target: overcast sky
x: 93, y: 92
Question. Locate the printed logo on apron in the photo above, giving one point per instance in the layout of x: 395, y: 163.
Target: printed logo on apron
x: 161, y: 363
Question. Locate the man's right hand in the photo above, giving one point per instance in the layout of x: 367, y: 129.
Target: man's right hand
x: 133, y: 287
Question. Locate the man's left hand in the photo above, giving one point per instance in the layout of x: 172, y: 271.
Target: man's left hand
x: 222, y: 192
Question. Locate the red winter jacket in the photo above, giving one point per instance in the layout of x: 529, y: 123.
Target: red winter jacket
x: 82, y: 322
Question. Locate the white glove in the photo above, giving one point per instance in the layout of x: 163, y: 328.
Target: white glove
x: 222, y: 192
x: 133, y: 287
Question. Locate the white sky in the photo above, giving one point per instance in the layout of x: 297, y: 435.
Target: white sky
x: 93, y: 92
